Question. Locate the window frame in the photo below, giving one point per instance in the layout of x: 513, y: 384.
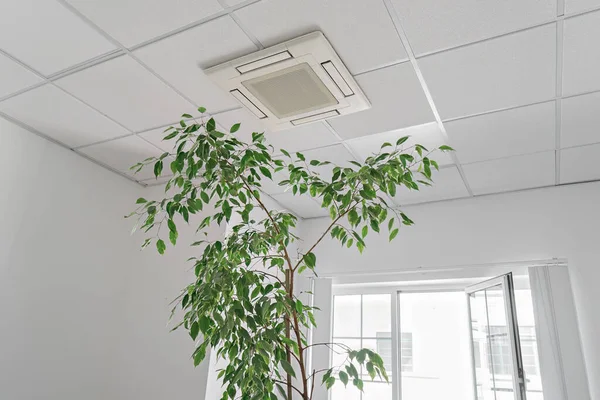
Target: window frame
x: 394, y: 291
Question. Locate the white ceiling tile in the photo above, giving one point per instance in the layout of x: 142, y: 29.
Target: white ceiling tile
x: 447, y: 184
x: 161, y: 180
x: 272, y: 187
x: 580, y: 164
x: 231, y: 3
x: 47, y: 36
x: 296, y: 139
x: 14, y: 77
x: 134, y: 21
x: 337, y: 155
x: 514, y: 173
x: 502, y: 134
x: 397, y: 100
x: 179, y: 59
x: 127, y: 92
x: 573, y: 6
x: 513, y: 70
x: 155, y: 136
x: 122, y: 154
x: 61, y: 117
x: 433, y: 25
x: 580, y: 120
x: 361, y: 31
x: 428, y: 135
x: 581, y: 57
x: 302, y: 205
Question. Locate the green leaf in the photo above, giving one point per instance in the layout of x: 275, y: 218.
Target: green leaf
x: 299, y: 306
x: 446, y: 148
x: 311, y: 260
x: 201, y: 110
x: 204, y: 323
x: 186, y: 116
x: 158, y: 166
x: 365, y: 231
x: 287, y: 367
x: 171, y: 135
x: 393, y: 234
x: 199, y: 355
x: 141, y: 200
x: 371, y: 370
x: 160, y: 246
x: 343, y: 377
x: 329, y: 382
x: 402, y: 140
x: 173, y: 237
x: 211, y: 125
x: 194, y: 330
x: 265, y: 171
x: 234, y: 128
x: 171, y: 225
x: 358, y: 383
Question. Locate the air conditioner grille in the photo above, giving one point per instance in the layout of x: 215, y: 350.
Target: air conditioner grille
x: 291, y: 91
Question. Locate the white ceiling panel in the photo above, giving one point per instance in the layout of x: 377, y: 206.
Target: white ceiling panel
x: 155, y: 136
x: 581, y: 60
x: 61, y: 117
x: 397, y: 100
x: 14, y: 77
x: 161, y: 180
x: 127, y: 92
x: 428, y: 135
x: 502, y: 134
x: 47, y: 36
x: 513, y: 70
x: 580, y: 120
x: 134, y: 21
x: 447, y: 184
x: 580, y: 164
x: 123, y: 153
x: 272, y: 187
x: 361, y: 31
x: 231, y: 3
x: 514, y: 173
x: 337, y: 155
x: 302, y: 205
x: 179, y: 59
x: 573, y: 6
x: 433, y: 25
x: 296, y: 139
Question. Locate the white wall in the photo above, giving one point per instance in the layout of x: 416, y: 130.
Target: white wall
x: 82, y: 309
x: 529, y: 225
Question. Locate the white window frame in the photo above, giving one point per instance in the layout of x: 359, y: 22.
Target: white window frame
x: 562, y: 366
x: 394, y: 291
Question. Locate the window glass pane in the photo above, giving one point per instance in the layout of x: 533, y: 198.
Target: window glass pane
x: 434, y: 346
x: 377, y: 391
x: 339, y: 353
x: 377, y: 321
x: 346, y: 316
x: 383, y: 347
x: 339, y: 392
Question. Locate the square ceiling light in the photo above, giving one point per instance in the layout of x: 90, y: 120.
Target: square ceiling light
x: 293, y: 83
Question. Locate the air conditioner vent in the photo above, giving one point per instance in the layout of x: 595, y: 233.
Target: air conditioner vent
x: 296, y: 82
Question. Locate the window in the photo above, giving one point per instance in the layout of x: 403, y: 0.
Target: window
x: 363, y: 321
x: 406, y: 352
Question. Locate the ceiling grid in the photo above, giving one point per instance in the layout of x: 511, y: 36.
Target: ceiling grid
x: 396, y: 20
x: 423, y: 46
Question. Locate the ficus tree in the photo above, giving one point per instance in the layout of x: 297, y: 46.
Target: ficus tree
x: 243, y: 303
